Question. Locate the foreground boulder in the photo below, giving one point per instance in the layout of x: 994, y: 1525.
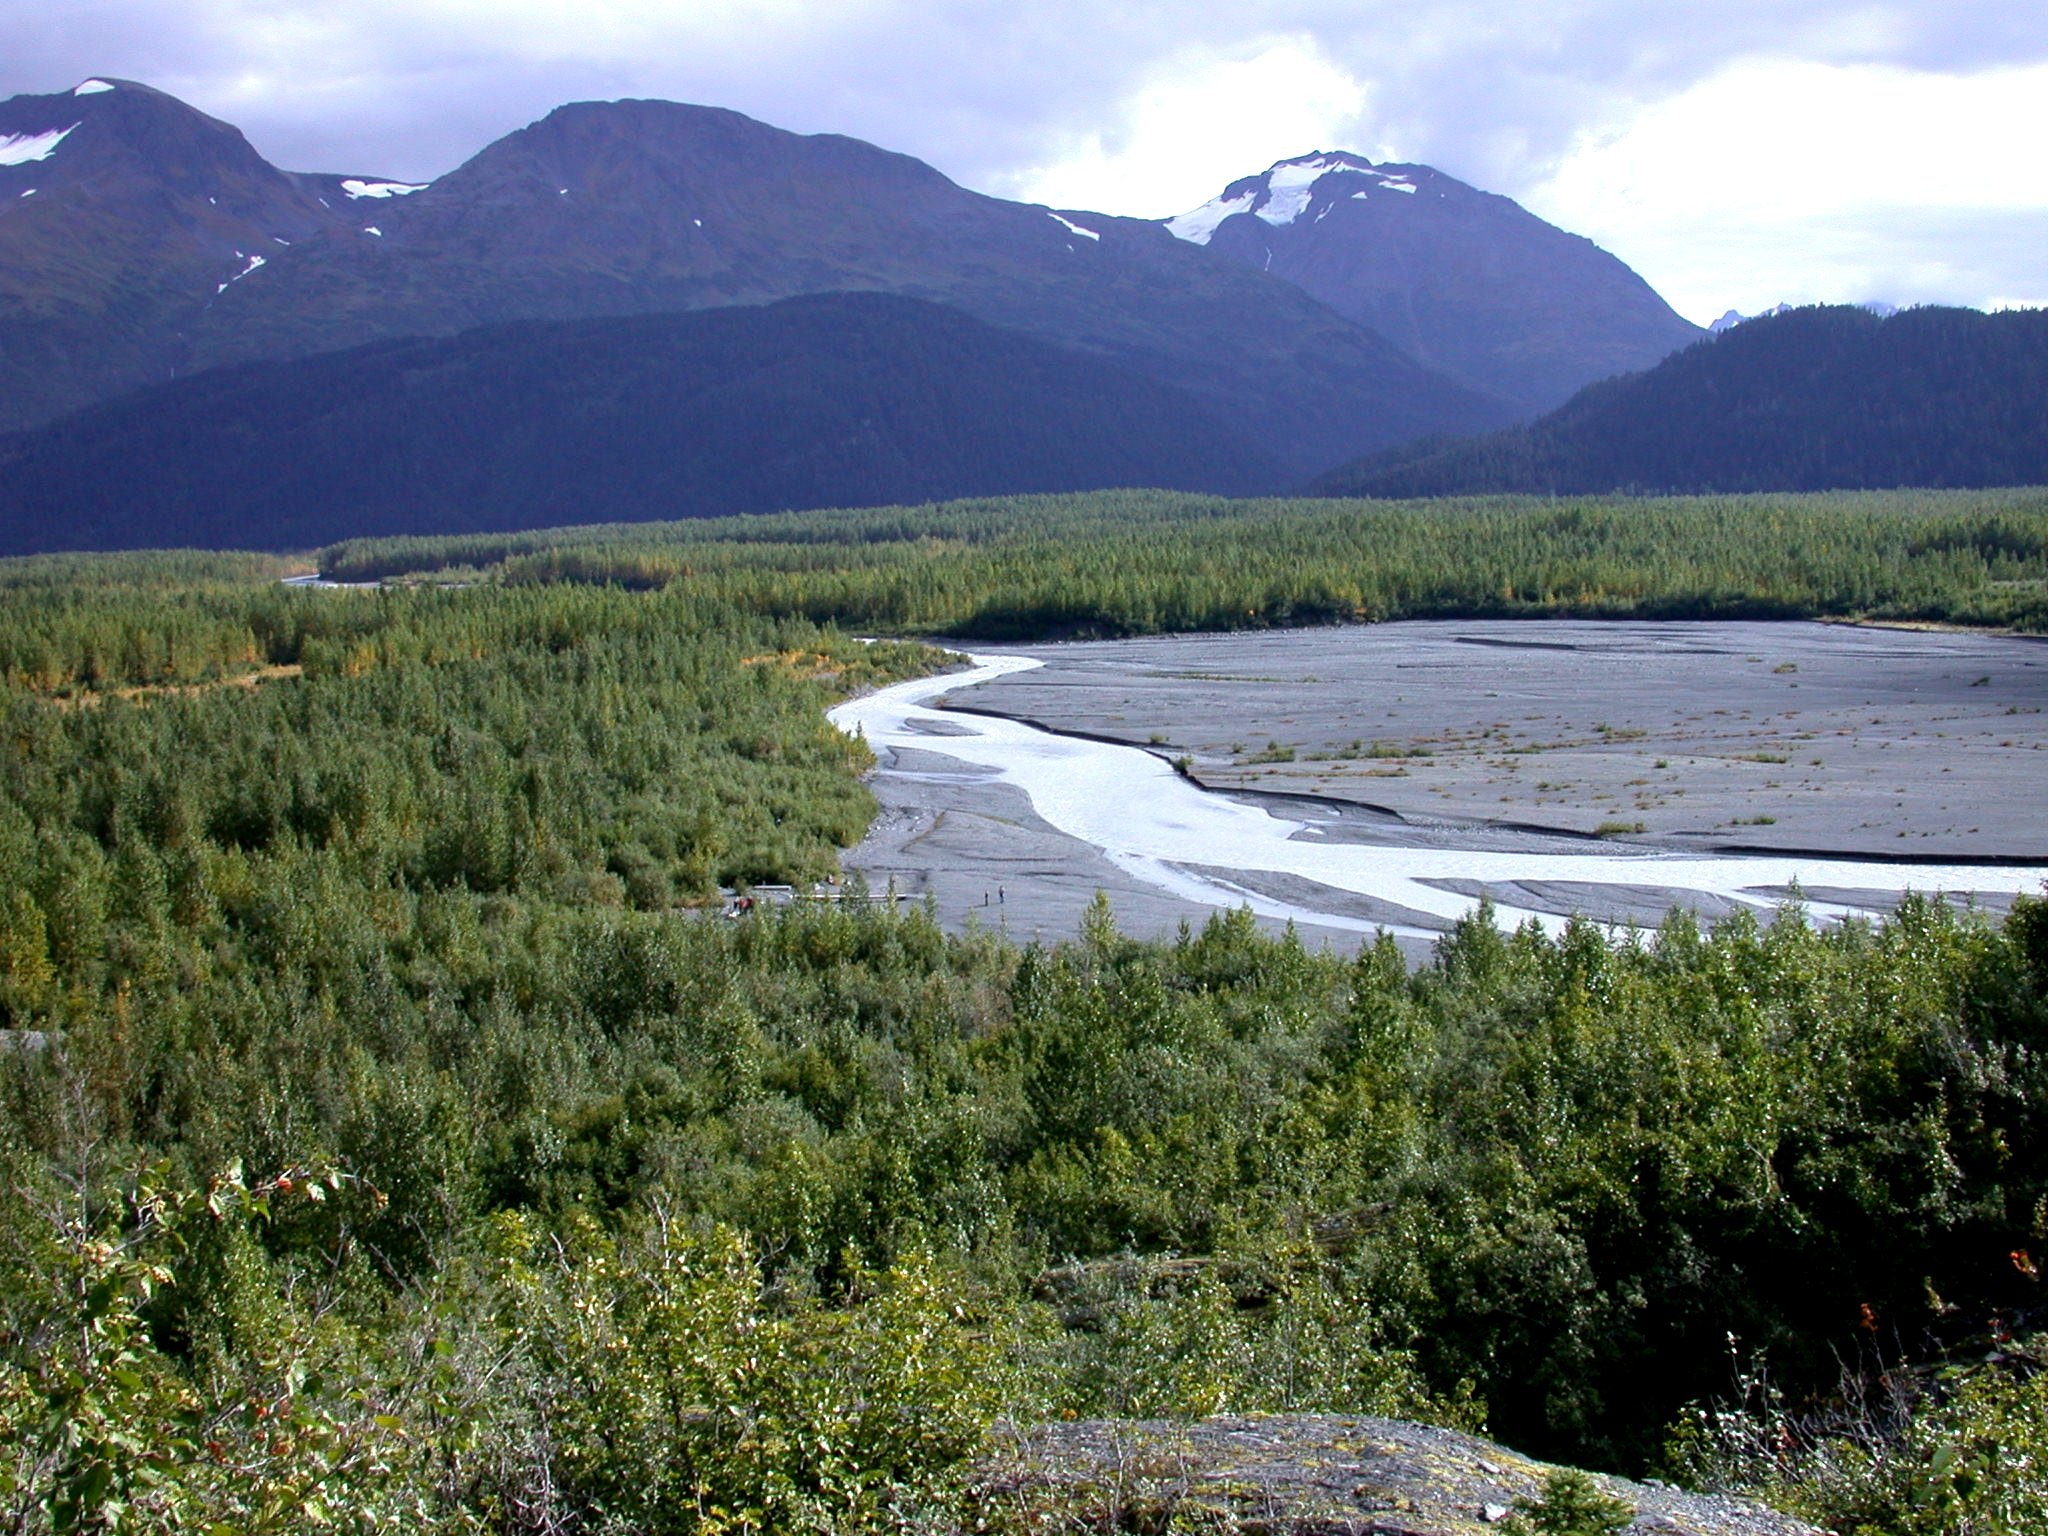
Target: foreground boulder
x: 1308, y: 1475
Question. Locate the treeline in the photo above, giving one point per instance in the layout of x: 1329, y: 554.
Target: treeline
x: 1119, y: 563
x: 77, y: 622
x: 1825, y: 398
x: 388, y: 1140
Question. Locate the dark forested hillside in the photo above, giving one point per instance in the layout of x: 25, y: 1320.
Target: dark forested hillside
x: 1810, y: 399
x: 834, y: 400
x: 613, y: 208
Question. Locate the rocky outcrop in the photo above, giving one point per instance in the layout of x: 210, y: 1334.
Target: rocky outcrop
x: 1307, y: 1475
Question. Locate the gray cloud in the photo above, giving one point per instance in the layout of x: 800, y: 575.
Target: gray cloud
x: 1488, y: 89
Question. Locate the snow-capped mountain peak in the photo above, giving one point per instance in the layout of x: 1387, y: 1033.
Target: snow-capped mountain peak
x: 1464, y: 281
x: 126, y: 218
x: 1284, y: 191
x: 1735, y: 317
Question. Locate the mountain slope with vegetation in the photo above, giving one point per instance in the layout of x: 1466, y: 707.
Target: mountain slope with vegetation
x: 612, y: 208
x: 835, y: 400
x: 1808, y: 399
x: 123, y: 214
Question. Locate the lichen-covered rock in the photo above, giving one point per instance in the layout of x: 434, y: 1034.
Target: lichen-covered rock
x: 1303, y: 1475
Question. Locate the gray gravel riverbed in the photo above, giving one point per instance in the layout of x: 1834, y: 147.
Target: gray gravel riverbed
x: 1871, y: 743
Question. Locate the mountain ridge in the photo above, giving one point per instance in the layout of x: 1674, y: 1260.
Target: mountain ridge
x: 1828, y: 397
x: 123, y: 211
x: 641, y: 207
x: 693, y: 207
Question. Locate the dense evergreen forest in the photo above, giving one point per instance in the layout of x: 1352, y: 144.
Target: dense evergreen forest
x: 1135, y: 562
x: 394, y: 1136
x: 1824, y: 398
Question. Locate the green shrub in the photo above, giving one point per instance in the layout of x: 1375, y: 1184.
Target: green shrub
x: 686, y: 1400
x: 1961, y: 1451
x: 1572, y: 1505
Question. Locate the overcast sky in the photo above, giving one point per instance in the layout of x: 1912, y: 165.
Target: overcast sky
x: 1737, y: 153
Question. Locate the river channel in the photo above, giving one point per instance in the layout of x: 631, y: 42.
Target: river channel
x: 1009, y: 824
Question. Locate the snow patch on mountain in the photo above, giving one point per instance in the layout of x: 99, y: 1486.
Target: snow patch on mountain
x: 21, y: 148
x: 1197, y: 226
x: 1290, y: 184
x: 1283, y: 193
x: 384, y: 188
x: 253, y: 263
x: 92, y: 87
x: 1086, y: 234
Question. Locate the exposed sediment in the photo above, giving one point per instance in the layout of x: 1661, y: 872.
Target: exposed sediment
x: 976, y: 804
x: 1800, y: 737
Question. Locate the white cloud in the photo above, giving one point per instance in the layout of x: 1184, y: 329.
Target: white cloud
x: 1784, y: 180
x: 1196, y: 123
